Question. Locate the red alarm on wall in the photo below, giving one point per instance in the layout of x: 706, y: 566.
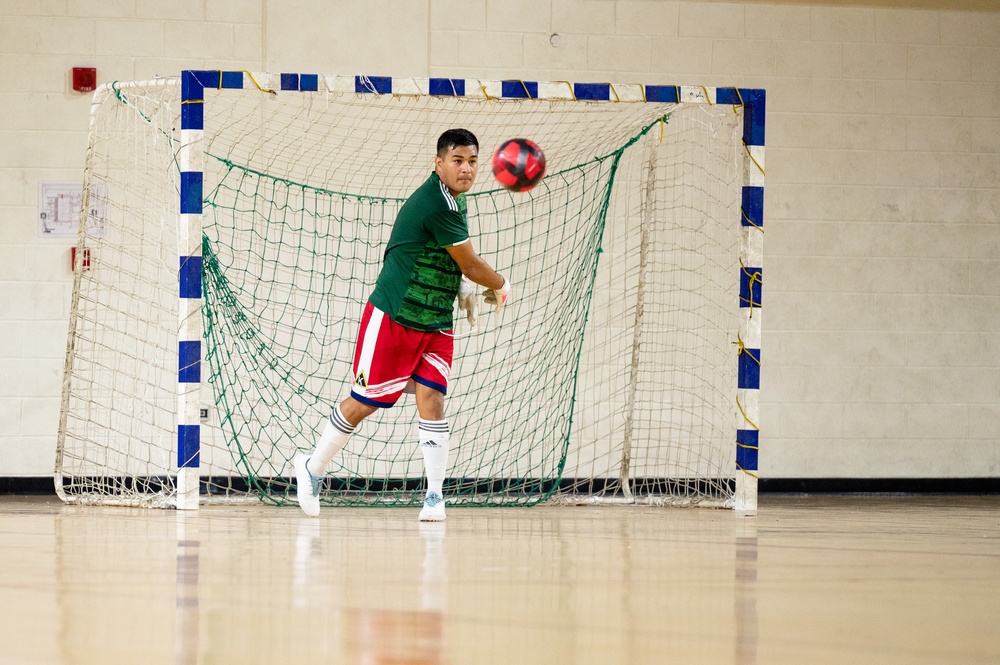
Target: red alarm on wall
x: 84, y: 79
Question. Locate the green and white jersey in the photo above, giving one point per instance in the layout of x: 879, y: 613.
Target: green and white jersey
x: 419, y: 279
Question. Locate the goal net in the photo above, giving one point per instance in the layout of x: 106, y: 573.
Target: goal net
x: 617, y: 373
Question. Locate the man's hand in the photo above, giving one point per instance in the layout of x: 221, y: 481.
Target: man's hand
x: 468, y: 302
x: 498, y: 297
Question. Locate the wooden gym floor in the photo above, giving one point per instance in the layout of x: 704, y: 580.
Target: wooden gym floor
x: 804, y: 580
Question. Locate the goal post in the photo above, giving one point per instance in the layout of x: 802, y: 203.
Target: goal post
x: 244, y: 220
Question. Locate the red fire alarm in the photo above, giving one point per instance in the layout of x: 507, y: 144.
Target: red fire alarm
x: 84, y: 263
x: 84, y: 79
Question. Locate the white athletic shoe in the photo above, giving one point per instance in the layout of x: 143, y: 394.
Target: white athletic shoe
x: 307, y: 487
x: 433, y: 510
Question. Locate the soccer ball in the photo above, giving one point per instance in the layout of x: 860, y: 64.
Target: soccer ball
x: 519, y: 165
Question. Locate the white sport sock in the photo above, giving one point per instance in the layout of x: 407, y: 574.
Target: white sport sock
x: 434, y: 446
x: 335, y: 435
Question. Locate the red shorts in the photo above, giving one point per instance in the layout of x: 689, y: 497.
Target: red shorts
x: 388, y: 356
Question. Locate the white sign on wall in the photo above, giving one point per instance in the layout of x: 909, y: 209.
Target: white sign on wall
x: 59, y: 206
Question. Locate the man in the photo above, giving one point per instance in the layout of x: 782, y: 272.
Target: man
x: 405, y: 334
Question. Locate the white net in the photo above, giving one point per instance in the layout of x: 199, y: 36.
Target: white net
x: 612, y: 374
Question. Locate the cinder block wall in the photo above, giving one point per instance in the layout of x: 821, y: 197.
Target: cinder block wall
x: 882, y: 268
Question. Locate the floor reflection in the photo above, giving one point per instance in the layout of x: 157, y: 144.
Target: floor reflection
x: 382, y: 636
x: 308, y: 557
x: 187, y: 615
x: 810, y: 580
x: 745, y: 592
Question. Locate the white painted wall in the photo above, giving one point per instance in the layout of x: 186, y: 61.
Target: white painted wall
x: 882, y: 270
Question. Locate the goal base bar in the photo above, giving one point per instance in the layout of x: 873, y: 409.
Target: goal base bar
x: 163, y: 491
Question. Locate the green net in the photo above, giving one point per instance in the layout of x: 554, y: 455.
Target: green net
x: 283, y: 298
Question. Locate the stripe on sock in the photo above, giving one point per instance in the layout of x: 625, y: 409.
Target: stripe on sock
x: 435, y: 426
x: 338, y: 421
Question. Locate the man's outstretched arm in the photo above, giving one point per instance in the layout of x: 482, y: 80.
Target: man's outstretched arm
x: 479, y: 271
x: 474, y: 266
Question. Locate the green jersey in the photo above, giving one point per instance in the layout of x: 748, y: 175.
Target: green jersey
x: 419, y: 279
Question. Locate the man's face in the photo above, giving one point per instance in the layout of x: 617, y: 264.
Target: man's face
x: 457, y: 169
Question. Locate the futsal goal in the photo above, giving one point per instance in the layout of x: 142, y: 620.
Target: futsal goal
x: 239, y: 224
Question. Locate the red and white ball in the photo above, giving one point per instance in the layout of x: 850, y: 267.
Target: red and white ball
x: 519, y: 164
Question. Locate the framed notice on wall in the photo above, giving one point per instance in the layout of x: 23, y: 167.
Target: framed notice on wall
x: 59, y: 208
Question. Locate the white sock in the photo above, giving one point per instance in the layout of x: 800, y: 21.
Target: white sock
x: 335, y: 435
x: 434, y: 446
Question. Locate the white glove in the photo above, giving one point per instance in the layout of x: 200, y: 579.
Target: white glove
x: 498, y: 297
x: 468, y: 302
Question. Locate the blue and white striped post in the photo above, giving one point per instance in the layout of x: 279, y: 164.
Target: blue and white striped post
x: 189, y: 339
x: 751, y: 280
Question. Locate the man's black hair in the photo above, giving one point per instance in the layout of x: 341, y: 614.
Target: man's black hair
x: 456, y: 137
